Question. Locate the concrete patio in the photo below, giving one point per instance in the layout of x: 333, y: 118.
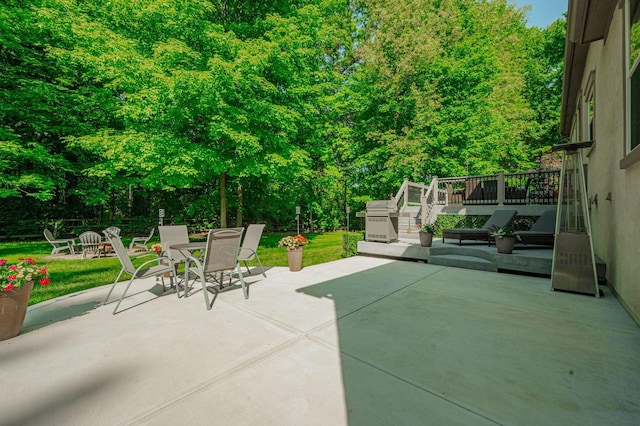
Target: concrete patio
x: 360, y: 341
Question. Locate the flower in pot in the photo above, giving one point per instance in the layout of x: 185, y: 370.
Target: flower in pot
x: 293, y: 243
x: 295, y: 246
x: 14, y: 276
x: 505, y: 239
x: 426, y: 234
x: 16, y: 282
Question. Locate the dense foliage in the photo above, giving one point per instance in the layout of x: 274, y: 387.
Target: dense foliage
x: 229, y: 109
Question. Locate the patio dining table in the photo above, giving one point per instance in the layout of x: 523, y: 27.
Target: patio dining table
x: 188, y: 247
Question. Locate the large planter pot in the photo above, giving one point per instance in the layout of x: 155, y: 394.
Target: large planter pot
x: 294, y: 256
x: 13, y: 308
x: 505, y: 245
x: 426, y: 238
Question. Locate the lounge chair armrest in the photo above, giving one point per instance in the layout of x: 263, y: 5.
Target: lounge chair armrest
x: 149, y: 254
x: 67, y: 241
x: 158, y: 260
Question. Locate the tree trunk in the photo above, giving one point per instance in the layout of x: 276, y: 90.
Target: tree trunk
x: 130, y: 201
x: 112, y: 204
x: 223, y: 199
x: 239, y: 211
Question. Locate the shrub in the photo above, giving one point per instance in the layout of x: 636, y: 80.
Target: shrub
x: 350, y: 243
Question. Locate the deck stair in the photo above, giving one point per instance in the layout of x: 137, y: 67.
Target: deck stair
x: 408, y: 220
x: 534, y: 260
x: 463, y: 257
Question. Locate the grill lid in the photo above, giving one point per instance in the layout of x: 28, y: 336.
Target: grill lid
x: 387, y: 206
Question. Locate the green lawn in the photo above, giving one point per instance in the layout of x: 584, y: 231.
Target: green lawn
x: 70, y: 276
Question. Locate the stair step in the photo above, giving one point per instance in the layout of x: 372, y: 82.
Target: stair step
x: 413, y: 236
x: 460, y: 261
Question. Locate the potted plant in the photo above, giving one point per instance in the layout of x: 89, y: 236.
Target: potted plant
x: 295, y: 248
x: 16, y: 282
x: 505, y: 239
x: 426, y: 234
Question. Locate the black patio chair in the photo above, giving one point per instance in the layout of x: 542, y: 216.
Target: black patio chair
x: 498, y: 219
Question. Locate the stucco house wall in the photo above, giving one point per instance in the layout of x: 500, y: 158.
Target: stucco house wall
x: 615, y: 223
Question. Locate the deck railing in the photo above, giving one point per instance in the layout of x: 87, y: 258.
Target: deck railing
x: 411, y: 194
x: 529, y: 188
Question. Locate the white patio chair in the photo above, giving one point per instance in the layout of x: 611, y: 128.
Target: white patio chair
x: 141, y: 241
x: 163, y: 265
x: 249, y: 249
x: 60, y: 244
x: 221, y: 255
x: 90, y: 242
x: 113, y: 230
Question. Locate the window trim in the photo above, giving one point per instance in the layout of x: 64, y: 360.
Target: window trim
x: 576, y: 129
x: 590, y: 106
x: 631, y: 155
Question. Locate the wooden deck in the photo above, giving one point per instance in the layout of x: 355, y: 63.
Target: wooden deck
x: 531, y: 259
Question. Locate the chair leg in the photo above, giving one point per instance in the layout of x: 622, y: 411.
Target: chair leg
x: 259, y: 263
x: 112, y: 287
x: 261, y: 267
x: 244, y: 286
x: 171, y: 283
x: 185, y: 280
x: 123, y: 294
x: 205, y: 291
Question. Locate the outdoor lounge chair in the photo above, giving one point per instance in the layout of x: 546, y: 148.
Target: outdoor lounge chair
x: 162, y: 265
x: 60, y: 245
x: 221, y: 255
x: 249, y: 249
x: 498, y: 219
x: 542, y: 232
x: 90, y: 242
x: 141, y: 242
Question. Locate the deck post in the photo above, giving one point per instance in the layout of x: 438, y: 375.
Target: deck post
x: 501, y: 188
x: 405, y: 199
x: 426, y: 207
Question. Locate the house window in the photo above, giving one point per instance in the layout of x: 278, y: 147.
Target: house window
x: 576, y: 130
x: 590, y: 106
x: 633, y: 75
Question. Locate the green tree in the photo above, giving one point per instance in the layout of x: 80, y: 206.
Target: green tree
x: 441, y: 83
x: 215, y: 108
x: 543, y: 75
x: 41, y: 102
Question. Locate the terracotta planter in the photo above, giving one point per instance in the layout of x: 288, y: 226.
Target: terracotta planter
x: 13, y: 308
x: 426, y: 238
x: 505, y: 245
x: 294, y: 256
